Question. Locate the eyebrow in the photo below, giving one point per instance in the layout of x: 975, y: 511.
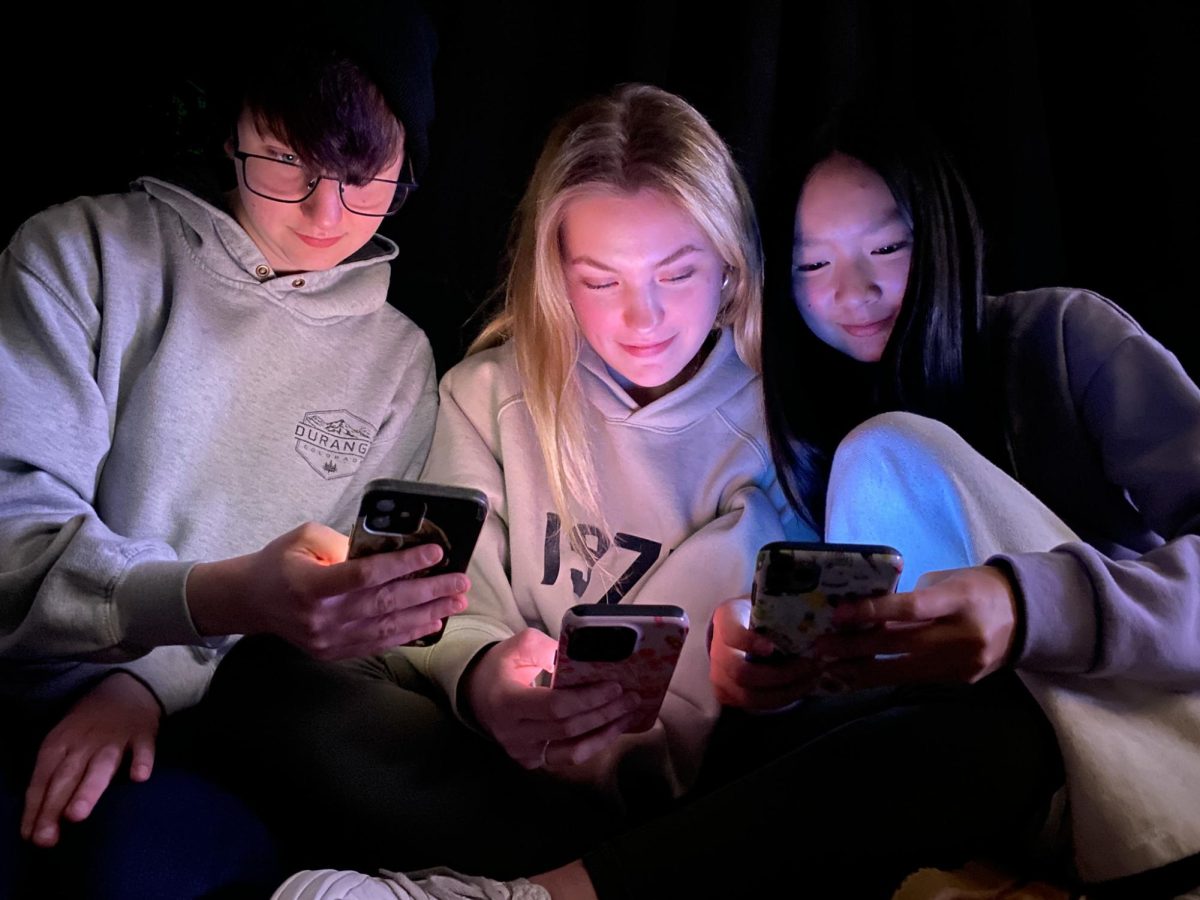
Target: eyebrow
x: 878, y: 225
x: 666, y: 261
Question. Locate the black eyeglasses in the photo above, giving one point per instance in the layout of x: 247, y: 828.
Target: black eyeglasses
x: 289, y: 182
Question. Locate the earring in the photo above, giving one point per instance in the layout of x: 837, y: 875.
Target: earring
x: 725, y: 280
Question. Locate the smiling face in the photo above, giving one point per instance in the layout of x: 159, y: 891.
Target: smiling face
x: 645, y: 285
x: 316, y: 233
x: 851, y: 256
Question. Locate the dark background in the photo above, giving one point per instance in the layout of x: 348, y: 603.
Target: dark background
x: 1073, y: 125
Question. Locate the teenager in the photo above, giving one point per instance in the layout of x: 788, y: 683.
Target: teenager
x: 204, y: 384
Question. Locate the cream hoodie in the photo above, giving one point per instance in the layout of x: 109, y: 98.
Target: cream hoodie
x: 689, y: 492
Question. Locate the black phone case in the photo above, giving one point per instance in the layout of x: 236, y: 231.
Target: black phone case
x: 449, y: 516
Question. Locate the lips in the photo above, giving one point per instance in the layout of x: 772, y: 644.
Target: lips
x: 870, y: 329
x: 319, y: 242
x: 647, y: 350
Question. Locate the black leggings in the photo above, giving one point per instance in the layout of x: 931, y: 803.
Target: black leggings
x: 847, y: 795
x: 361, y: 765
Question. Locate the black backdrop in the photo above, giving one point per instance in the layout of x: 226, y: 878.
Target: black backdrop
x: 1073, y: 125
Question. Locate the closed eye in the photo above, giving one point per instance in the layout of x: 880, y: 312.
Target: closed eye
x: 809, y: 267
x: 682, y: 276
x: 889, y: 249
x: 597, y: 286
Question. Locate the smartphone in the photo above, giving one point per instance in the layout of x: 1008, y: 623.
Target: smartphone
x: 395, y: 514
x: 798, y: 585
x: 635, y: 645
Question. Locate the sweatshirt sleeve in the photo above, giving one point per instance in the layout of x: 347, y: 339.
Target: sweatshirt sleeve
x: 461, y: 456
x: 71, y: 588
x: 1135, y: 618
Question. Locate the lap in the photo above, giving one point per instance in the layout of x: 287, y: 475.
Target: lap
x: 848, y: 795
x: 362, y: 765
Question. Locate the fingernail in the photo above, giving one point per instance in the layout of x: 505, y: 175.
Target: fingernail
x: 460, y: 604
x: 461, y: 585
x: 45, y: 833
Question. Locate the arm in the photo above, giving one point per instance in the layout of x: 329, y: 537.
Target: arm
x: 488, y: 658
x: 1108, y: 435
x: 1137, y: 618
x: 71, y: 587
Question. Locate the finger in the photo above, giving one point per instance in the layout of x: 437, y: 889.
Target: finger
x: 878, y: 641
x: 582, y: 723
x: 59, y: 789
x: 398, y: 595
x: 731, y: 629
x: 48, y: 760
x: 583, y: 748
x: 773, y: 673
x: 789, y: 684
x: 541, y: 704
x: 911, y: 606
x: 95, y: 781
x: 371, y: 571
x: 141, y: 762
x: 385, y: 633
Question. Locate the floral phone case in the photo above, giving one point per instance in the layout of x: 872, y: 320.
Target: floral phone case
x: 637, y: 646
x: 798, y: 585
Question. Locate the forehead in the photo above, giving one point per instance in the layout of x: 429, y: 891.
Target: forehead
x: 628, y: 225
x: 844, y: 196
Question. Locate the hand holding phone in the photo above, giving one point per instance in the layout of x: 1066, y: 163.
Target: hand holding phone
x: 636, y: 646
x: 395, y: 515
x: 797, y: 586
x: 535, y: 725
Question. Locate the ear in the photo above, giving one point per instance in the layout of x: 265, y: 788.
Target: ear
x: 229, y: 146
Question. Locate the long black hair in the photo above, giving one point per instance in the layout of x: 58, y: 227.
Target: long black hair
x: 932, y: 363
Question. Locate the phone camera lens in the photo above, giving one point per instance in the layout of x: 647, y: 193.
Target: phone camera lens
x: 380, y: 523
x: 385, y: 505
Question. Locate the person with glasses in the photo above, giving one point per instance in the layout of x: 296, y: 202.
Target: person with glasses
x: 196, y: 390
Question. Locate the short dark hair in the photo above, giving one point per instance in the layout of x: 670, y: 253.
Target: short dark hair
x: 814, y: 394
x: 326, y: 108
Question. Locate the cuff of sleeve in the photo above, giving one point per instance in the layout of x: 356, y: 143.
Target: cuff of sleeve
x: 152, y: 606
x: 177, y: 676
x: 448, y: 660
x: 1059, y: 613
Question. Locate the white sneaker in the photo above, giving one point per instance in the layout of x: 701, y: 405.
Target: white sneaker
x: 431, y: 884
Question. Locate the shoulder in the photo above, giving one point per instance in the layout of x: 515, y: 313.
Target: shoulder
x: 488, y: 379
x: 1074, y: 329
x: 84, y: 228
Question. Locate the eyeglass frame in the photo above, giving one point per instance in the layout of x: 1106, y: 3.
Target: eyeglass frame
x: 409, y: 186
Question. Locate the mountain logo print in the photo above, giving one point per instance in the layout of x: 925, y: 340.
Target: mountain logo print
x: 333, y: 442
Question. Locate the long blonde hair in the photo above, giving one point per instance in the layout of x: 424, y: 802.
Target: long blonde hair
x: 638, y: 137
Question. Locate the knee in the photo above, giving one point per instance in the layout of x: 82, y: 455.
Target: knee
x: 894, y: 475
x: 896, y: 445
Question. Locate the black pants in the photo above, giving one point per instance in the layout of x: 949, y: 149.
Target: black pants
x: 844, y: 796
x: 357, y: 765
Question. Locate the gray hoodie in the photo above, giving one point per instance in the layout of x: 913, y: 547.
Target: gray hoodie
x: 167, y: 399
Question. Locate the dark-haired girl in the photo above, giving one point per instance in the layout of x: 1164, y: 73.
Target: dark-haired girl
x: 1036, y: 457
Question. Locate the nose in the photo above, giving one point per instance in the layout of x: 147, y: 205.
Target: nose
x: 324, y: 205
x: 856, y: 284
x: 643, y: 310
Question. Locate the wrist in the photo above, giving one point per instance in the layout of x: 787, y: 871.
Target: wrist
x: 213, y: 593
x: 466, y: 693
x: 1012, y: 586
x: 129, y: 689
